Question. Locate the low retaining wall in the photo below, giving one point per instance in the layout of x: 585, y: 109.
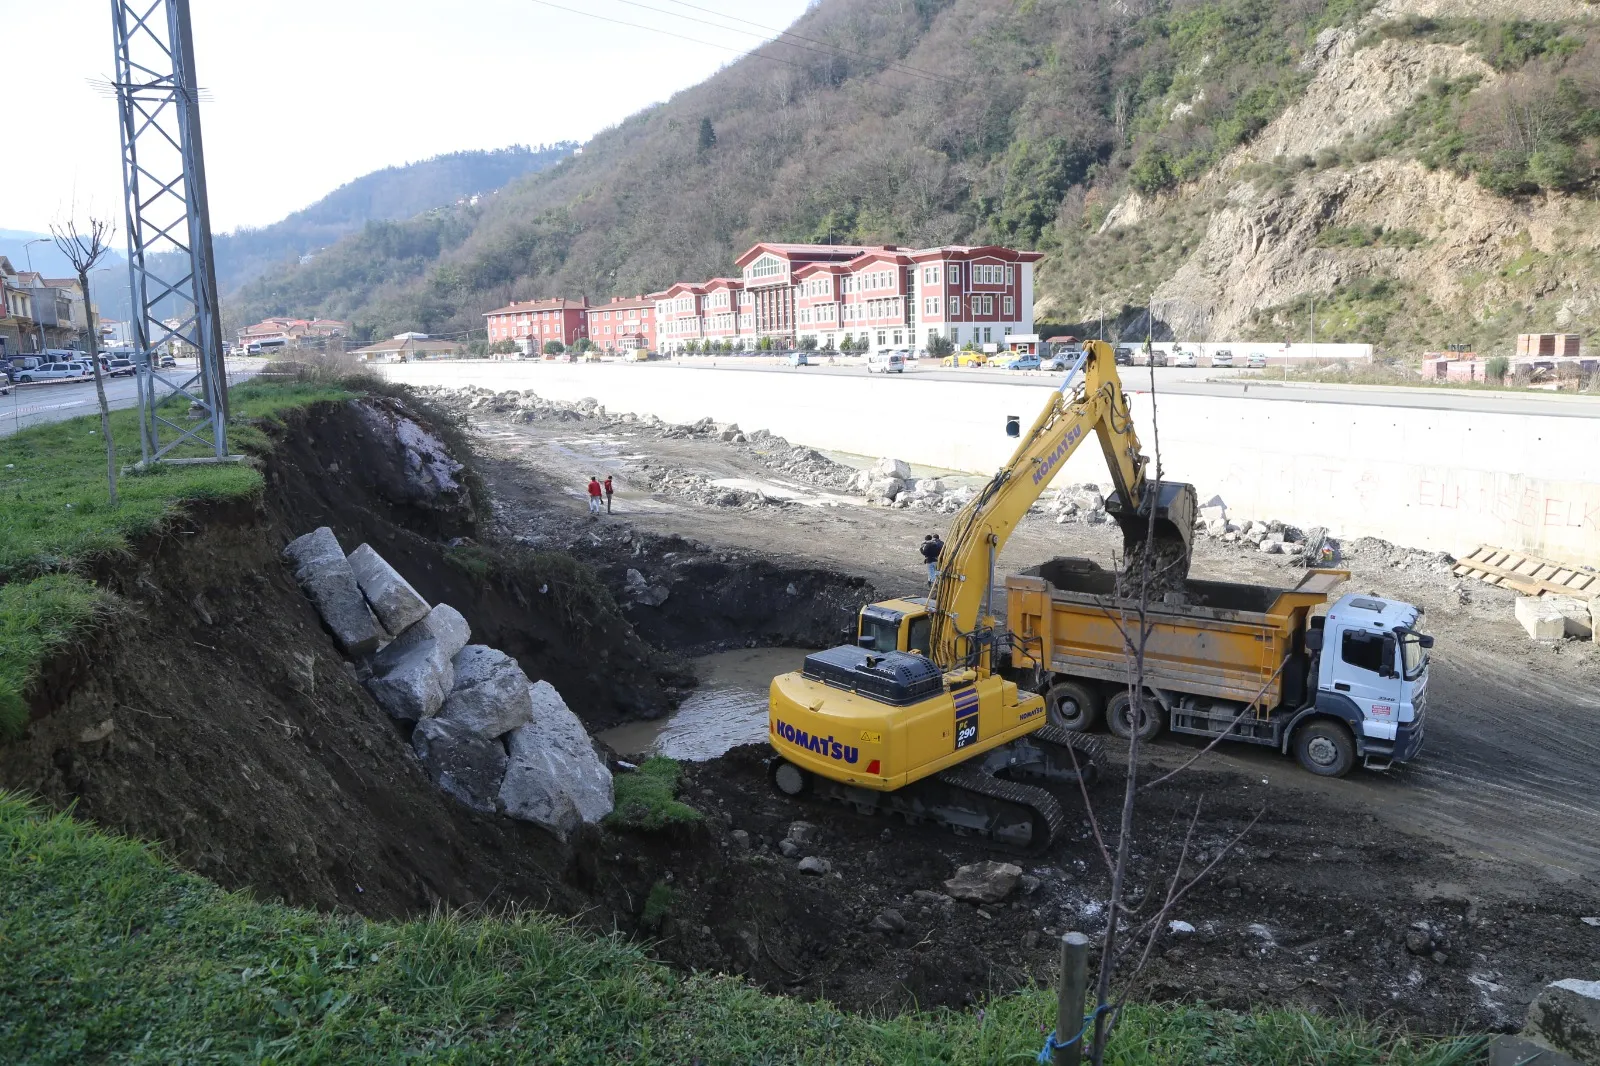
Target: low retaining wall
x: 1436, y: 479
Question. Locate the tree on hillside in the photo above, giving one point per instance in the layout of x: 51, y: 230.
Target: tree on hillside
x: 708, y: 136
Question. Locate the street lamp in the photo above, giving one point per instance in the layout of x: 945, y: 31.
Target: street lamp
x: 27, y: 250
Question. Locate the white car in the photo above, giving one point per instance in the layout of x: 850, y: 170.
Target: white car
x: 1257, y: 361
x: 55, y: 372
x: 886, y: 363
x: 1184, y: 357
x: 1223, y: 358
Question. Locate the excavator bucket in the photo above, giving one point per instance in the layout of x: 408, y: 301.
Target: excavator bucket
x: 1175, y: 508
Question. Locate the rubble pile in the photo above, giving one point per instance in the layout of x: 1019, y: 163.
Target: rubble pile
x: 484, y: 734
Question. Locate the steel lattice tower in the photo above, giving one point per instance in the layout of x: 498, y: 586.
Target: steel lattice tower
x: 170, y: 267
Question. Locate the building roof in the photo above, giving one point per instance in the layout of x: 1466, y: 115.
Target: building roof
x: 680, y: 288
x: 802, y: 252
x: 879, y: 255
x: 623, y: 303
x: 559, y: 303
x: 723, y: 283
x: 410, y: 344
x: 976, y: 251
x: 821, y: 268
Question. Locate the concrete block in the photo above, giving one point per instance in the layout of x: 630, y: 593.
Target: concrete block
x: 393, y: 600
x: 1578, y: 615
x: 895, y: 468
x: 490, y: 694
x: 329, y: 581
x: 1542, y: 619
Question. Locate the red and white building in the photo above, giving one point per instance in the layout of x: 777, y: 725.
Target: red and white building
x: 880, y: 297
x: 534, y: 323
x: 623, y: 325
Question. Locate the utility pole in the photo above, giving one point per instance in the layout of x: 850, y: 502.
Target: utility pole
x: 38, y: 319
x: 164, y: 186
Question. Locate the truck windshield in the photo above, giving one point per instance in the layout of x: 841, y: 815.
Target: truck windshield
x: 1413, y: 655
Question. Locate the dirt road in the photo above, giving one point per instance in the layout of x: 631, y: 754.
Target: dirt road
x: 1511, y: 767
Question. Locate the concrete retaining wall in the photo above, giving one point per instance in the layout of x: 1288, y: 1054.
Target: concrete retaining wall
x: 1436, y: 479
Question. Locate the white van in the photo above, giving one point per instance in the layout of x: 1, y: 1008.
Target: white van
x: 886, y: 362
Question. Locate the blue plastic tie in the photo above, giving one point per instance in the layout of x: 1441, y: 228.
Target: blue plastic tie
x: 1052, y: 1044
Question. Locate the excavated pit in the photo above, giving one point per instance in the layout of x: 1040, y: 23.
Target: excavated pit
x: 216, y: 716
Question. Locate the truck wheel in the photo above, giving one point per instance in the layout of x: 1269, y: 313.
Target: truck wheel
x: 1325, y: 748
x: 1119, y: 717
x: 1073, y: 707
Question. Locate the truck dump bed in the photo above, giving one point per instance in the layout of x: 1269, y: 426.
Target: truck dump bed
x: 1218, y: 639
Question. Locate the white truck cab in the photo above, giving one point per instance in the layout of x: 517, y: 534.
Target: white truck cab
x: 1372, y: 675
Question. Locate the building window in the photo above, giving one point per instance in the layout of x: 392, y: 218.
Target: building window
x: 988, y: 334
x: 1011, y: 274
x: 1008, y: 306
x: 955, y: 273
x: 955, y: 307
x: 881, y: 341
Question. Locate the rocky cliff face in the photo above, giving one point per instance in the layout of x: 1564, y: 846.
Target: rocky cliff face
x: 1263, y: 244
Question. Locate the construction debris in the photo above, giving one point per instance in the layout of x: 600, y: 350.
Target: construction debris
x: 1527, y: 573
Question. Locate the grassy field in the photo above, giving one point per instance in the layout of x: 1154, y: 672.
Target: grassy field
x: 107, y: 954
x: 55, y: 515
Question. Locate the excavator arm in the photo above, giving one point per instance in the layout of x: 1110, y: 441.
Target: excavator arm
x: 1090, y: 399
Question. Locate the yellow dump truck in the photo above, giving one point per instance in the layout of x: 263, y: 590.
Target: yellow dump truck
x: 1252, y: 663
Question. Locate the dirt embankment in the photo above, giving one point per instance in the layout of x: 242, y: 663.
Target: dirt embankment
x: 216, y: 716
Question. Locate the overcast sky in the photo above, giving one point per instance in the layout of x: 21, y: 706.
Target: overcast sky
x: 307, y: 94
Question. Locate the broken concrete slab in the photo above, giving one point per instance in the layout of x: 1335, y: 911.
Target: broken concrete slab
x: 554, y: 779
x: 414, y: 685
x: 466, y: 765
x: 393, y: 600
x: 1541, y: 618
x: 327, y: 578
x: 444, y: 624
x: 1577, y: 615
x: 490, y: 692
x: 984, y: 882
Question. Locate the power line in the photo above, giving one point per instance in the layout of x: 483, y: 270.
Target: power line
x: 669, y: 33
x: 830, y: 50
x: 906, y: 67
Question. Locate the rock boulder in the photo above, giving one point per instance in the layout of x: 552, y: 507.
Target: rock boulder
x: 393, y: 600
x: 490, y: 692
x: 895, y: 468
x: 554, y: 779
x: 327, y: 578
x: 413, y: 685
x: 443, y: 624
x: 984, y: 882
x: 465, y: 765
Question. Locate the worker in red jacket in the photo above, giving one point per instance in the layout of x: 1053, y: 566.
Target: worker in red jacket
x: 609, y: 490
x: 594, y: 495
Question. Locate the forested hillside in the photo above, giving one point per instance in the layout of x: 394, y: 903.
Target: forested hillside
x: 396, y: 192
x: 1215, y: 161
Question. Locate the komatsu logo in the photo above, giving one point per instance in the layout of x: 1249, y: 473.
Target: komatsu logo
x: 827, y: 747
x: 1048, y: 466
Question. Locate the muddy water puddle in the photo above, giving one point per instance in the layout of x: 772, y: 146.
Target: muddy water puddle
x: 729, y: 708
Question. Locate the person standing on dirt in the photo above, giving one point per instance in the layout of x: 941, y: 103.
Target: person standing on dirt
x: 931, y: 547
x: 594, y: 495
x: 609, y: 491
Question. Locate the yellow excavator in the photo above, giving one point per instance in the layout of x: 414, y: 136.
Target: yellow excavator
x: 916, y: 718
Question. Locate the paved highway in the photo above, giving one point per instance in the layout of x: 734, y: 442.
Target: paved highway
x: 54, y: 401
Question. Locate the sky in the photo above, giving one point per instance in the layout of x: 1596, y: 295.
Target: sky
x: 304, y: 95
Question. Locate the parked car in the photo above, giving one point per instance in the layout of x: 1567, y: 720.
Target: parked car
x: 965, y: 357
x: 802, y: 359
x: 1122, y: 355
x: 1185, y: 357
x: 55, y: 372
x: 118, y: 368
x: 168, y: 363
x: 1021, y: 362
x: 1224, y: 358
x: 1158, y: 357
x: 886, y: 362
x: 1257, y: 360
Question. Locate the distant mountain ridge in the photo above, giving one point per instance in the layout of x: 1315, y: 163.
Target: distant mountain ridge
x: 390, y: 194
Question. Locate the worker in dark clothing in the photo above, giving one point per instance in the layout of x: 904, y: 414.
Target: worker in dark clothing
x: 609, y: 491
x: 931, y: 547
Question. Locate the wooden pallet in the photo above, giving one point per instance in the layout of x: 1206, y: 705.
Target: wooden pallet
x: 1528, y: 574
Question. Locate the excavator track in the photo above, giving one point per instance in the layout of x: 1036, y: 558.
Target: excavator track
x: 987, y: 797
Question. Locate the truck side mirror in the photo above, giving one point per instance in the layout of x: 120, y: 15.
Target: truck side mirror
x: 1313, y: 640
x: 1013, y: 426
x: 1390, y: 646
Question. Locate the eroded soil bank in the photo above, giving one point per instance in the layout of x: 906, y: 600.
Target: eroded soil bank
x: 216, y: 716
